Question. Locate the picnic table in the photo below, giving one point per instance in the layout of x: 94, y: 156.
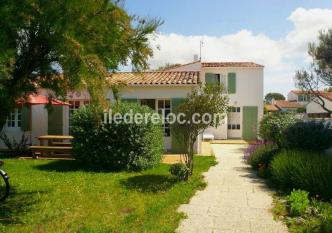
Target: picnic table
x: 55, y: 139
x: 56, y: 144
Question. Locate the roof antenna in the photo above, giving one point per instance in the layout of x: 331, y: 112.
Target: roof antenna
x: 201, y: 43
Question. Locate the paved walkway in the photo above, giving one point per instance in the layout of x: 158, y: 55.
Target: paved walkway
x: 235, y: 200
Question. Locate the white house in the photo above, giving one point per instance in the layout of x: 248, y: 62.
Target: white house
x: 313, y: 109
x: 164, y: 90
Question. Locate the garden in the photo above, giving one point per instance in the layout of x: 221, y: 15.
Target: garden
x: 292, y: 157
x: 116, y: 183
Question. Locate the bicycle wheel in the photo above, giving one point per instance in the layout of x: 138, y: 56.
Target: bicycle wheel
x: 4, y: 185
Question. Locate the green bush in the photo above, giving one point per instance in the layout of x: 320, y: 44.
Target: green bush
x: 273, y: 126
x: 122, y: 146
x: 308, y: 136
x: 180, y: 170
x: 303, y: 170
x: 262, y: 156
x: 298, y: 202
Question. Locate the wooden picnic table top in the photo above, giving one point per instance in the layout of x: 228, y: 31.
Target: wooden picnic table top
x: 57, y: 137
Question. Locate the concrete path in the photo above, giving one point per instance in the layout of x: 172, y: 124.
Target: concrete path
x: 235, y: 200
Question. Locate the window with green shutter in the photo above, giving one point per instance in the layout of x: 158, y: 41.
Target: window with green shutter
x: 25, y: 118
x: 177, y: 145
x: 55, y: 120
x: 231, y: 83
x: 211, y: 78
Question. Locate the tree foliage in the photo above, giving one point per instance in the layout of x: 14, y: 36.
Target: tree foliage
x: 64, y: 45
x: 320, y: 74
x: 273, y: 96
x: 207, y: 100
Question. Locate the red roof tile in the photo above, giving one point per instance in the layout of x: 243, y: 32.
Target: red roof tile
x: 231, y: 64
x: 271, y: 108
x: 287, y: 104
x: 156, y: 78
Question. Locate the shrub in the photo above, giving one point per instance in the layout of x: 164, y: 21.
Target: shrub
x: 262, y: 156
x: 16, y: 148
x: 272, y: 126
x: 308, y: 136
x: 180, y: 170
x: 298, y: 202
x: 117, y: 146
x: 303, y: 170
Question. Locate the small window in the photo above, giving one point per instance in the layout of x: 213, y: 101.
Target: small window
x: 233, y: 126
x: 14, y: 119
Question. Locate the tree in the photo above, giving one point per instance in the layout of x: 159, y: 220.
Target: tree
x: 201, y: 102
x: 320, y: 74
x: 273, y: 96
x: 66, y: 44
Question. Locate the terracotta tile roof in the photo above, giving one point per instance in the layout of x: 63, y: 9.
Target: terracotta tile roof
x: 307, y: 92
x: 231, y: 64
x: 157, y: 78
x: 327, y: 95
x: 271, y: 108
x: 287, y: 104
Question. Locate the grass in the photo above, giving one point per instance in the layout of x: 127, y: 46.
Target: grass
x: 62, y: 196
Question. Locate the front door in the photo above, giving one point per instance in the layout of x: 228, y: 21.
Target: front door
x: 249, y: 122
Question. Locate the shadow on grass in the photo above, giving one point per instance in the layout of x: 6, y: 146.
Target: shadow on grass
x: 66, y: 166
x: 149, y: 183
x: 17, y: 204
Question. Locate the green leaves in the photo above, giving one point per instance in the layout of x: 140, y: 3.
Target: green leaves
x: 82, y: 40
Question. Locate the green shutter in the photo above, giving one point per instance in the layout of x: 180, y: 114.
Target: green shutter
x: 231, y: 83
x: 25, y: 124
x: 177, y: 146
x: 129, y: 100
x: 55, y: 120
x: 210, y: 78
x: 249, y: 122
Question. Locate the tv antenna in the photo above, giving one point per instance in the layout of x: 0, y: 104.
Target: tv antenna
x: 201, y: 43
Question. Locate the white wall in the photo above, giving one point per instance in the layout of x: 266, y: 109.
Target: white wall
x: 39, y: 122
x: 313, y: 107
x: 291, y: 96
x: 249, y: 91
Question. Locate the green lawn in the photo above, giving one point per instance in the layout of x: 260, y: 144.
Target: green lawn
x: 60, y: 196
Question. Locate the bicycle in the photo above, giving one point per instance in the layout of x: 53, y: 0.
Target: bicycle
x: 4, y: 184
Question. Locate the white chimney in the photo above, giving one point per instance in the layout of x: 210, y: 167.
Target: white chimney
x: 195, y: 57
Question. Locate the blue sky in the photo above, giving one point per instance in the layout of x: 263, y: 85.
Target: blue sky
x: 272, y: 32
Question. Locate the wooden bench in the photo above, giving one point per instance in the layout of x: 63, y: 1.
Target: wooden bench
x: 40, y: 150
x: 62, y: 144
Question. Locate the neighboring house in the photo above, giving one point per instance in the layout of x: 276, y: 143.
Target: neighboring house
x: 301, y: 97
x: 282, y: 106
x: 164, y: 90
x: 313, y: 109
x: 271, y: 108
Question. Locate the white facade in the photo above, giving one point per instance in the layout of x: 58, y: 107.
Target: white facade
x: 313, y: 107
x: 249, y: 93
